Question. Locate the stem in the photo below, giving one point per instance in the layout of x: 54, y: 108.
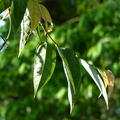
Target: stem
x: 46, y: 33
x: 9, y: 27
x: 5, y: 42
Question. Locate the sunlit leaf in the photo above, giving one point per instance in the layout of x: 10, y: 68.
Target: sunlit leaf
x: 35, y: 15
x: 45, y: 61
x: 18, y: 10
x: 104, y: 76
x: 72, y: 71
x: 108, y: 78
x: 93, y: 72
x: 25, y: 31
x: 46, y: 17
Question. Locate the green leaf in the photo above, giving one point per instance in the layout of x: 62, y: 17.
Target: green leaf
x: 4, y: 4
x: 33, y: 7
x: 45, y: 61
x: 36, y: 32
x: 46, y: 17
x: 18, y: 10
x: 93, y: 72
x: 25, y: 31
x: 72, y: 71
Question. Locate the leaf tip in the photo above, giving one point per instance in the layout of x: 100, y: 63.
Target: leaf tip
x: 35, y: 92
x: 34, y: 95
x: 107, y: 107
x: 18, y: 55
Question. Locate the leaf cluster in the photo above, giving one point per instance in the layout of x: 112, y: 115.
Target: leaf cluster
x: 31, y: 15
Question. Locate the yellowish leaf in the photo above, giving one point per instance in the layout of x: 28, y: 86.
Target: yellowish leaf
x: 94, y: 73
x: 35, y: 15
x: 111, y: 79
x: 104, y: 76
x: 46, y: 17
x: 108, y: 78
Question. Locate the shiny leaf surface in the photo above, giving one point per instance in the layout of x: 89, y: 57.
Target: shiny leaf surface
x: 25, y: 31
x: 45, y: 61
x: 72, y: 71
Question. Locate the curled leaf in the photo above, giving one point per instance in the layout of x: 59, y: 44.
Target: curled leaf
x: 111, y: 79
x: 108, y: 78
x: 93, y: 72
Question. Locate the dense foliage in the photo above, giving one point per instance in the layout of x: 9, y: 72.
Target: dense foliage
x: 91, y: 29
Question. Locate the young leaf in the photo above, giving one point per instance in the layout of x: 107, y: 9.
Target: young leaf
x: 33, y: 7
x: 18, y: 10
x: 45, y: 61
x: 25, y: 31
x: 46, y: 17
x: 72, y: 71
x: 96, y: 77
x: 108, y: 78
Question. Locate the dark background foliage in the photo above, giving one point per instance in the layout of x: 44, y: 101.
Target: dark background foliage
x: 91, y: 29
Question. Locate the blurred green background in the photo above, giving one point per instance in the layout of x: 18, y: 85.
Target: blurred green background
x: 92, y: 29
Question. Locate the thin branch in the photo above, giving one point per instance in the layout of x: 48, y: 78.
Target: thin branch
x: 9, y: 27
x: 5, y: 43
x: 46, y: 33
x: 2, y: 38
x: 5, y: 40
